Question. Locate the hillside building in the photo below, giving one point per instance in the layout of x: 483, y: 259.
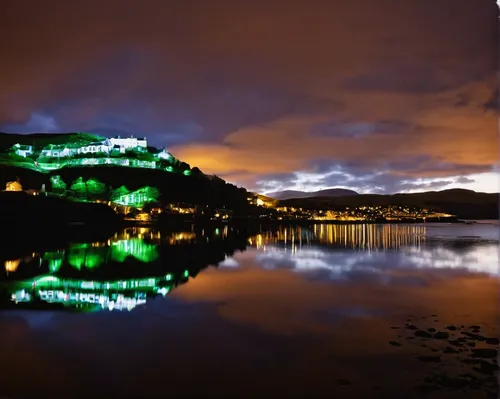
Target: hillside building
x: 23, y: 150
x: 129, y: 142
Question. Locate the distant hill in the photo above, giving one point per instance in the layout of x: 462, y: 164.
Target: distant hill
x: 465, y: 204
x: 330, y: 192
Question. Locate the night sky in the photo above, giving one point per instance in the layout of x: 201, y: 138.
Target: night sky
x: 377, y: 96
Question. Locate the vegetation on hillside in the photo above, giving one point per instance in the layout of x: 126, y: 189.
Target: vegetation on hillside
x: 100, y: 182
x: 41, y: 140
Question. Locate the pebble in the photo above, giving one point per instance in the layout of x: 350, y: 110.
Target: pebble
x: 441, y: 335
x: 422, y: 334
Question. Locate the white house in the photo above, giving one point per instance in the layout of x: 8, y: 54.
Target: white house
x: 164, y: 154
x: 98, y: 146
x: 129, y: 142
x: 105, y: 146
x: 23, y: 150
x: 57, y: 151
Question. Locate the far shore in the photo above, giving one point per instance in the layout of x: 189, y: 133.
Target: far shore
x: 271, y: 222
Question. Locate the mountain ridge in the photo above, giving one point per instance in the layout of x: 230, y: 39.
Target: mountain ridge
x: 329, y: 192
x: 465, y: 204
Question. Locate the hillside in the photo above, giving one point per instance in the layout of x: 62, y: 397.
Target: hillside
x: 465, y: 204
x: 88, y: 167
x: 45, y: 152
x: 40, y: 140
x: 330, y: 192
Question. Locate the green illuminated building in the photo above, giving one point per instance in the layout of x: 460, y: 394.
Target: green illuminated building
x: 137, y: 198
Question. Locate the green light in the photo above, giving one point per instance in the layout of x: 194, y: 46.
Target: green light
x: 138, y: 198
x: 58, y: 184
x: 84, y: 255
x: 91, y: 295
x: 55, y: 260
x: 55, y: 265
x: 79, y: 187
x: 95, y: 187
x: 82, y: 149
x: 135, y: 247
x: 186, y: 273
x: 46, y: 279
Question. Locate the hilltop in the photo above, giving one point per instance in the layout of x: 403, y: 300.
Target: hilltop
x: 465, y: 204
x: 40, y: 140
x: 87, y: 167
x: 330, y: 192
x: 46, y: 152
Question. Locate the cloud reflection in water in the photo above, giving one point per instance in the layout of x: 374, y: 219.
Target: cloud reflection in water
x: 340, y: 251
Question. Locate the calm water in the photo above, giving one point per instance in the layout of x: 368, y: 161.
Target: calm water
x: 343, y: 311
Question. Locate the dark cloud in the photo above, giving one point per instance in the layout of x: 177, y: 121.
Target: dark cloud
x: 493, y: 102
x: 249, y: 90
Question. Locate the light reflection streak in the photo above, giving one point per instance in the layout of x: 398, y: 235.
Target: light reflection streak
x: 389, y: 246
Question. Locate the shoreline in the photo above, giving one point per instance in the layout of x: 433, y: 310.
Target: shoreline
x: 266, y: 222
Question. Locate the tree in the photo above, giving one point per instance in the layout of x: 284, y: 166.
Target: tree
x: 79, y: 188
x: 196, y: 171
x: 119, y: 192
x: 152, y: 193
x: 95, y: 189
x: 58, y: 184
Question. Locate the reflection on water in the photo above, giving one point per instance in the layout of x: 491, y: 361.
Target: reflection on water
x: 359, y: 236
x: 292, y: 311
x: 91, y: 295
x: 343, y: 248
x: 62, y: 276
x: 74, y: 278
x: 11, y: 265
